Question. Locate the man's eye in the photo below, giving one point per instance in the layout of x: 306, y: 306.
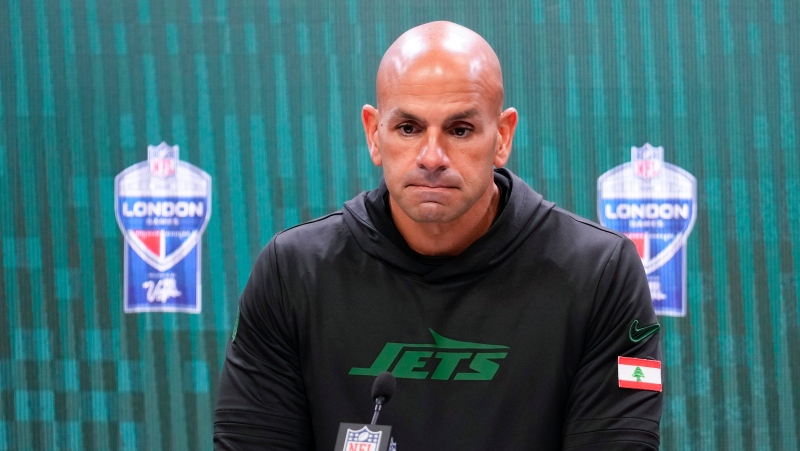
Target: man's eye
x: 461, y: 131
x: 407, y: 129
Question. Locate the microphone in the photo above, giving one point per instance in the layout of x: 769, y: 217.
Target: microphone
x: 382, y: 391
x: 370, y: 437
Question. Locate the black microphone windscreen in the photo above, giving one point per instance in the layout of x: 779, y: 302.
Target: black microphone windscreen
x: 384, y: 386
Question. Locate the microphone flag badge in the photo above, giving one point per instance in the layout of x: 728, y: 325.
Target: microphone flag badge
x: 162, y: 207
x: 655, y: 205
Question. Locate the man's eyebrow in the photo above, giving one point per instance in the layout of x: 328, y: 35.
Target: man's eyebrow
x: 463, y: 115
x: 400, y: 113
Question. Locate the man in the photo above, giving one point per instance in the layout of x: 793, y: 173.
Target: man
x: 501, y: 315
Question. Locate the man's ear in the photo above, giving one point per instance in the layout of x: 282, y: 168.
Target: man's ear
x: 506, y: 126
x: 369, y: 116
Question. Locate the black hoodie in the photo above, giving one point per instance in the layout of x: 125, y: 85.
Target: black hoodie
x: 512, y: 345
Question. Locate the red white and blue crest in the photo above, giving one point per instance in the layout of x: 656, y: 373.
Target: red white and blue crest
x: 654, y: 204
x: 162, y: 207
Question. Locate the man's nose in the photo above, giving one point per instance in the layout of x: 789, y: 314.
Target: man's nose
x: 432, y: 155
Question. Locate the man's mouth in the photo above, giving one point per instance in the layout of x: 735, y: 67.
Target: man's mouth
x: 431, y: 186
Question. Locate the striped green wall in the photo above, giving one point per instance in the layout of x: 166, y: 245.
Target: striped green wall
x: 265, y: 95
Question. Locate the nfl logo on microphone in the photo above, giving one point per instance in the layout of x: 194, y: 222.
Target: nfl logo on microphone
x: 362, y: 440
x: 363, y: 437
x: 162, y: 207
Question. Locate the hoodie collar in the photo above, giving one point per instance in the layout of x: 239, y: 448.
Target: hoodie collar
x: 521, y: 214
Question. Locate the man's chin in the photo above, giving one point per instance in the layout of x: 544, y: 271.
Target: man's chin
x: 426, y: 210
x: 431, y: 212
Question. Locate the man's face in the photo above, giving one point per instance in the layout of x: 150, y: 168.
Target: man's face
x: 438, y: 134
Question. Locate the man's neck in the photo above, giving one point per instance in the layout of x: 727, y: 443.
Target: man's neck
x: 452, y: 238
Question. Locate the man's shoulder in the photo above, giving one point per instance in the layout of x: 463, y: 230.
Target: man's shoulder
x: 314, y: 234
x: 551, y: 222
x: 585, y: 229
x: 573, y: 238
x: 306, y: 245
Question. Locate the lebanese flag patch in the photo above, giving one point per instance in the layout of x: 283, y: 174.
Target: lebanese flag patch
x: 640, y: 374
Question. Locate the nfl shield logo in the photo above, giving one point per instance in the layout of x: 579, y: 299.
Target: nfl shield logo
x: 362, y: 440
x: 647, y: 161
x: 163, y: 160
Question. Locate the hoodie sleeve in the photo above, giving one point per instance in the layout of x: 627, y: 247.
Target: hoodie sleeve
x: 262, y: 402
x: 600, y: 413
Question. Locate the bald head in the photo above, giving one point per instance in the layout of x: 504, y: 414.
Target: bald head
x: 438, y: 133
x: 441, y: 48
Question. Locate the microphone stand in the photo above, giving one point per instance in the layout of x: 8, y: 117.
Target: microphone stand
x: 378, y: 404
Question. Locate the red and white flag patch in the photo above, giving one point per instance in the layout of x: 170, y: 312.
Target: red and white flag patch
x: 640, y: 374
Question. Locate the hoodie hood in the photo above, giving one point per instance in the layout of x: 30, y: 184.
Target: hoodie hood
x: 521, y: 215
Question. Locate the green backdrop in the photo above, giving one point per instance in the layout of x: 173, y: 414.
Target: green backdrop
x: 265, y: 96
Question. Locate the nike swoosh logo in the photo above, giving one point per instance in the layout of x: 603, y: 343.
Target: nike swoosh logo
x: 636, y: 334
